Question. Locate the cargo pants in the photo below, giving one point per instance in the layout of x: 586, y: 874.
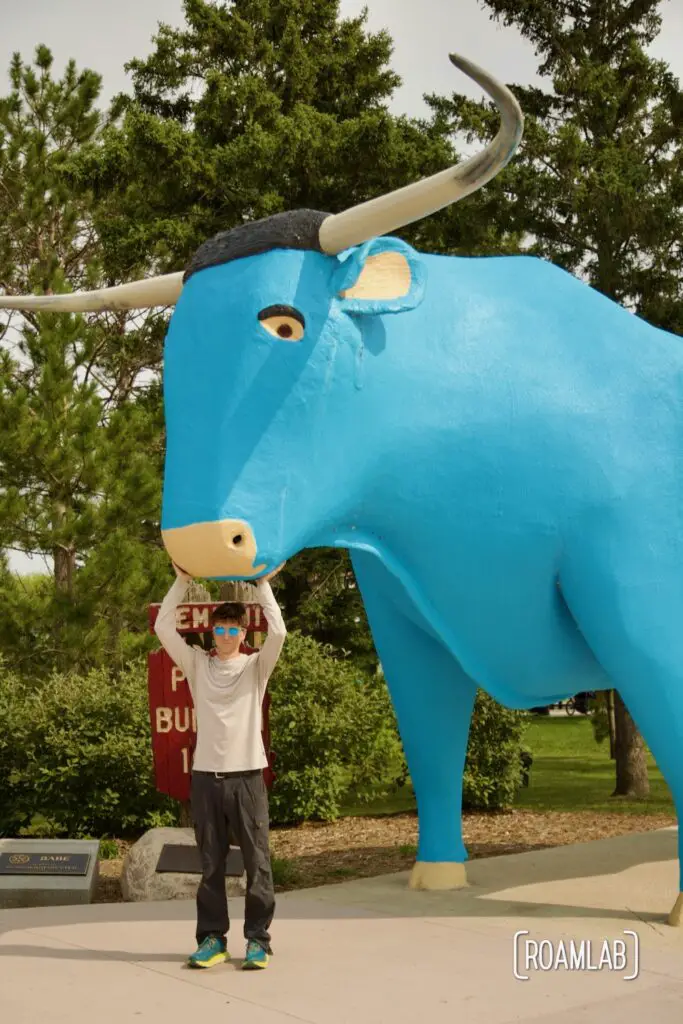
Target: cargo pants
x: 225, y: 804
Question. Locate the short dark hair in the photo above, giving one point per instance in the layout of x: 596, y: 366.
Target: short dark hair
x: 230, y: 611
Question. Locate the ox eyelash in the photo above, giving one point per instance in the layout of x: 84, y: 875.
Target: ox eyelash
x: 269, y: 311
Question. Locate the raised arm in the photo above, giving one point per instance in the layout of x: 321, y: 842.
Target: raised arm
x: 277, y: 631
x: 165, y: 628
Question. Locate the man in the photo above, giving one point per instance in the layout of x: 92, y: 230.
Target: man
x: 228, y: 791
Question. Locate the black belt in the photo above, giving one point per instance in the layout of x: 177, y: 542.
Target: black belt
x: 229, y: 775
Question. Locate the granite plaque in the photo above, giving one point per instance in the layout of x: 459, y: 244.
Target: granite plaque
x: 44, y: 863
x: 47, y: 872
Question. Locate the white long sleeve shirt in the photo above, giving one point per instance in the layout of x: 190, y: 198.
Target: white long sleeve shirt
x: 227, y: 695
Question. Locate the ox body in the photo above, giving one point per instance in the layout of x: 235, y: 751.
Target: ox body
x: 501, y: 449
x: 499, y: 446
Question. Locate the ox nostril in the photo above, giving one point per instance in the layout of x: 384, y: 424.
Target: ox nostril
x: 237, y: 540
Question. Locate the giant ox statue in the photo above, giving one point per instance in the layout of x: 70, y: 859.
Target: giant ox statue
x: 499, y: 446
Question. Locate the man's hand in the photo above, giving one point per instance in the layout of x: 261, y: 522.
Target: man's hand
x: 269, y: 576
x: 180, y: 573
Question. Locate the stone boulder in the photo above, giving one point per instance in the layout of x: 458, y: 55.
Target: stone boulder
x: 141, y: 881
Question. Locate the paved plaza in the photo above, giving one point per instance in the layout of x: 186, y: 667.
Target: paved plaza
x: 373, y: 951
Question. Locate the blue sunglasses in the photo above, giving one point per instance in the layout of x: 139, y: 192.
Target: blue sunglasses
x: 231, y: 631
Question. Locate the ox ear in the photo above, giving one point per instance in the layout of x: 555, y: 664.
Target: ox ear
x: 385, y: 275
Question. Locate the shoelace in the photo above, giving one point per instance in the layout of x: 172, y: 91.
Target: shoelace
x: 210, y: 943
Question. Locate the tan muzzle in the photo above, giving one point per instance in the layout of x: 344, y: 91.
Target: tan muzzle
x: 208, y: 550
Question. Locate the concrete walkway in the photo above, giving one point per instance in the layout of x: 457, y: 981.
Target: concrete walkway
x: 373, y: 951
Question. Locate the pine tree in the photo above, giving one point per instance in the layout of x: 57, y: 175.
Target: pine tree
x: 80, y: 440
x: 259, y: 106
x: 597, y: 184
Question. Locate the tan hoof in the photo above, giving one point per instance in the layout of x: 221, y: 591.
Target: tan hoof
x: 676, y: 915
x: 438, y: 875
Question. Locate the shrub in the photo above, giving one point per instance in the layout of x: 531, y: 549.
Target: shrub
x: 493, y: 766
x: 75, y: 755
x: 333, y: 732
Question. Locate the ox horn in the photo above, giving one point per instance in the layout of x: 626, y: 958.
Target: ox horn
x: 151, y: 291
x: 387, y: 213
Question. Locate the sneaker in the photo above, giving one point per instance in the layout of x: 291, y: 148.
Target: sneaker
x: 256, y: 956
x: 210, y: 952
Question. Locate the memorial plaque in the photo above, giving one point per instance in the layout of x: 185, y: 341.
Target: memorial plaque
x: 47, y: 872
x: 185, y: 860
x: 44, y: 863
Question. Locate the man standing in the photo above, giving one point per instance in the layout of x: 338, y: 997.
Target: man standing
x: 228, y: 791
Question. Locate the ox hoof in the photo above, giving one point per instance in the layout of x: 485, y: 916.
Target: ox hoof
x: 438, y: 875
x: 676, y: 915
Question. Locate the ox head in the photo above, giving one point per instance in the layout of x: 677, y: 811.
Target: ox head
x: 262, y: 359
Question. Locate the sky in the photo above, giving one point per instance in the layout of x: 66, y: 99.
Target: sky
x: 103, y: 35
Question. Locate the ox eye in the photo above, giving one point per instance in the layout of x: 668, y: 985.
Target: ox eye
x: 283, y: 322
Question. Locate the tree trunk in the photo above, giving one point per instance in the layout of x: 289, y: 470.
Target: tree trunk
x: 631, y: 763
x: 64, y: 558
x: 611, y: 725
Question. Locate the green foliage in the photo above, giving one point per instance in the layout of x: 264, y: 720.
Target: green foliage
x: 285, y: 871
x: 493, y: 766
x: 75, y: 755
x: 109, y: 849
x: 80, y: 428
x: 320, y: 598
x: 333, y: 731
x: 252, y: 108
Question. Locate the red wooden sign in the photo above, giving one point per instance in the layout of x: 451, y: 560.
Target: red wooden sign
x: 172, y: 714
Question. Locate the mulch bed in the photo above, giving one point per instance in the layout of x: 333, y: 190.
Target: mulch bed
x: 319, y: 853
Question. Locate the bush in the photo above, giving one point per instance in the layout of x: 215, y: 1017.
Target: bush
x: 493, y: 767
x: 75, y: 755
x: 333, y: 731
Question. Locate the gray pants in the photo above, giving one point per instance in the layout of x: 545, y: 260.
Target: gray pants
x: 233, y: 803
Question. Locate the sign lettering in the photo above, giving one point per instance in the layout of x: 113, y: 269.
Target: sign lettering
x: 200, y: 617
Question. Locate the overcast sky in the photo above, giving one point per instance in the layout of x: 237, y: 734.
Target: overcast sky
x: 104, y: 34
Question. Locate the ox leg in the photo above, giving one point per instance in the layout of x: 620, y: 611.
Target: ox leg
x: 632, y: 621
x: 433, y: 701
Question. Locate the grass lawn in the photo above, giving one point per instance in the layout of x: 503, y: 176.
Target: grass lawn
x: 571, y: 772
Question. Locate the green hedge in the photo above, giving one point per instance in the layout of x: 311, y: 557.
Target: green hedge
x: 333, y: 730
x: 75, y: 755
x: 493, y: 767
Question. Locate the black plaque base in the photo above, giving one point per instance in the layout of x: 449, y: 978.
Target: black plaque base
x: 185, y: 860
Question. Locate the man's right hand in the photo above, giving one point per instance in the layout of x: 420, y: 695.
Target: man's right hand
x: 269, y: 576
x: 180, y: 573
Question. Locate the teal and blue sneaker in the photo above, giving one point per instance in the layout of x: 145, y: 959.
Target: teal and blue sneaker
x: 256, y: 956
x: 211, y: 951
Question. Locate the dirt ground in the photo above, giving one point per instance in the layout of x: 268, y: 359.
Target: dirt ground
x: 321, y: 853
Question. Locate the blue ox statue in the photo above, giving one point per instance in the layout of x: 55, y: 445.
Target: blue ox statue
x: 499, y: 446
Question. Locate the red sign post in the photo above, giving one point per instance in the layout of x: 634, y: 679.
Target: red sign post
x: 172, y: 714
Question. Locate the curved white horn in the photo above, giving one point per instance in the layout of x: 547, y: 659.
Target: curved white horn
x: 387, y: 213
x: 151, y: 291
